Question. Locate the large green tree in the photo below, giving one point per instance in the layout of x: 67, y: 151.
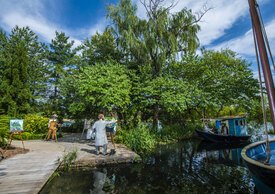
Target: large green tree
x: 100, y: 49
x: 97, y: 88
x: 61, y: 60
x: 22, y: 71
x: 151, y: 45
x: 157, y: 41
x: 222, y: 79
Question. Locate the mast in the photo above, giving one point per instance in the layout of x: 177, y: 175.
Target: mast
x: 257, y: 27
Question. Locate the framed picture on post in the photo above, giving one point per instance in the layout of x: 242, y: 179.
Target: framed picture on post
x: 16, y: 125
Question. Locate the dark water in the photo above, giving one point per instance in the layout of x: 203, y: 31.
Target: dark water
x: 187, y: 167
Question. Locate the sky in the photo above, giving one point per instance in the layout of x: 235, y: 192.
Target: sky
x: 226, y: 25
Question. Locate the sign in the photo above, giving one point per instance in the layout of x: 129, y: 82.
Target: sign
x: 16, y: 125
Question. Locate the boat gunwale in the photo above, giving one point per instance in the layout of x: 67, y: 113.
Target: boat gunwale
x: 255, y: 162
x: 222, y: 135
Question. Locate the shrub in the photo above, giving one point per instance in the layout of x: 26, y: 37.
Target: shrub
x: 139, y: 139
x: 35, y: 127
x: 178, y: 132
x: 29, y: 136
x: 35, y: 124
x: 4, y: 129
x: 68, y: 160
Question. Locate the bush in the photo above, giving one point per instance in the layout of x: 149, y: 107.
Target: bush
x: 139, y: 139
x: 35, y: 124
x: 178, y: 132
x: 29, y: 136
x: 68, y: 160
x: 35, y: 127
x: 4, y: 129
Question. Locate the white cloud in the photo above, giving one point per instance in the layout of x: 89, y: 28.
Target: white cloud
x: 35, y: 14
x: 38, y: 25
x: 26, y: 13
x: 221, y: 16
x: 244, y: 45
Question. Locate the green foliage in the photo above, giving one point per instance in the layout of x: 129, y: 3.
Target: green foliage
x: 35, y: 127
x: 22, y: 71
x: 255, y: 112
x: 174, y: 94
x: 234, y: 84
x: 101, y: 48
x: 139, y: 139
x: 232, y: 110
x: 178, y: 132
x: 35, y: 124
x: 154, y: 41
x: 102, y: 86
x: 145, y: 70
x: 4, y: 129
x: 150, y: 47
x: 29, y: 136
x: 68, y: 160
x: 61, y: 58
x: 221, y: 79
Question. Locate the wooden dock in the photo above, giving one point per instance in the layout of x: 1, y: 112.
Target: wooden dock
x: 28, y: 173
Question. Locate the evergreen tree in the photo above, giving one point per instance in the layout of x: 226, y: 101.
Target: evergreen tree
x: 22, y: 71
x: 61, y: 60
x: 100, y: 49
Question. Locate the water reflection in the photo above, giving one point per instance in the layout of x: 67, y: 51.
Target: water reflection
x: 186, y: 167
x: 101, y: 182
x: 225, y: 154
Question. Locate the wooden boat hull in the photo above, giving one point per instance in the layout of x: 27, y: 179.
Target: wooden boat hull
x: 219, y: 138
x: 254, y: 156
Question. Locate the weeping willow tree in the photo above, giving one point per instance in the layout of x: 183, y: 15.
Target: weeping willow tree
x: 149, y: 46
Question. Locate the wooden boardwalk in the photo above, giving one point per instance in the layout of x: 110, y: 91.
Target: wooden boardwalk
x: 28, y: 173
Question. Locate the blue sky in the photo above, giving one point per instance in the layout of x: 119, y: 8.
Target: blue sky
x: 226, y: 25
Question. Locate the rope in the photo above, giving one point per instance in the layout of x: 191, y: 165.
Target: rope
x: 265, y: 35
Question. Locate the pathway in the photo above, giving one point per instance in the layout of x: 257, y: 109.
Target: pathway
x: 27, y: 173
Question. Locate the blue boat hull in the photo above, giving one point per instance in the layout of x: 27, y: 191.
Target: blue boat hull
x: 219, y: 138
x: 254, y: 156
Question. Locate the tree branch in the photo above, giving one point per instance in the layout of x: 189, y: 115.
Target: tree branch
x: 152, y: 6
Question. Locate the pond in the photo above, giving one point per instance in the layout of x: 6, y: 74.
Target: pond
x: 190, y: 166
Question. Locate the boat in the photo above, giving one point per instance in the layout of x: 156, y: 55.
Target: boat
x: 255, y: 156
x: 229, y: 130
x: 260, y: 156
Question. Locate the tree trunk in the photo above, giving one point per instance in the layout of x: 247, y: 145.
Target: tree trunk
x: 156, y: 117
